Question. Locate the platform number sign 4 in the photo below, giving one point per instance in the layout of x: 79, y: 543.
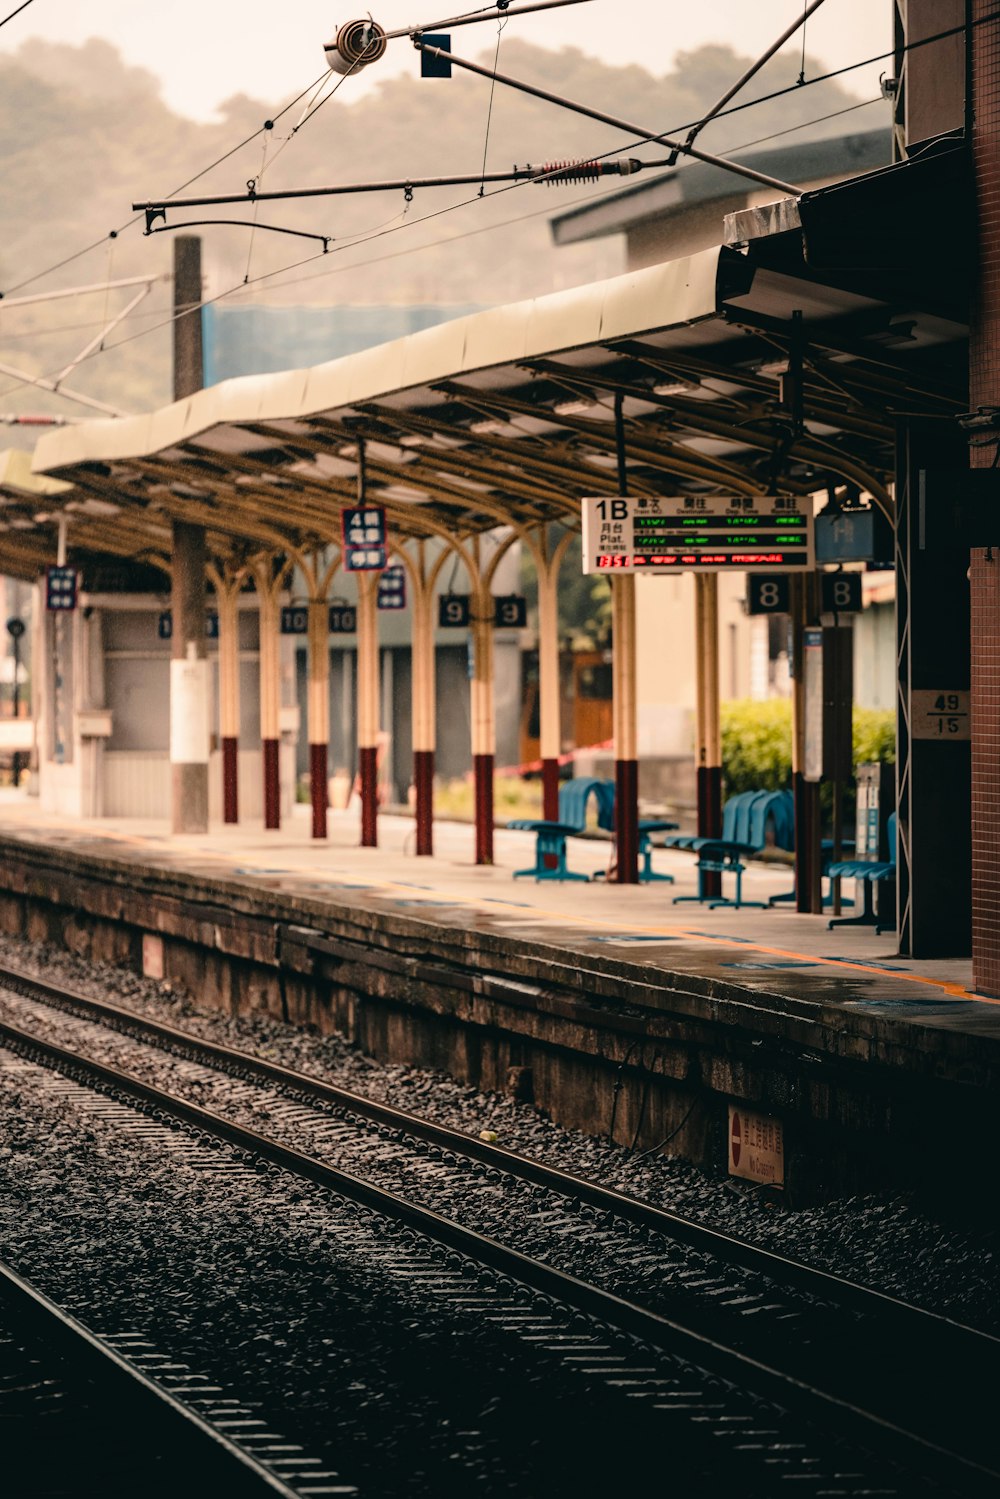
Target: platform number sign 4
x: 767, y: 593
x: 453, y: 611
x: 365, y: 538
x: 511, y: 612
x: 840, y: 593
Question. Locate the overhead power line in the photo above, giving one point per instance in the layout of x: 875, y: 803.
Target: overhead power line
x: 16, y: 12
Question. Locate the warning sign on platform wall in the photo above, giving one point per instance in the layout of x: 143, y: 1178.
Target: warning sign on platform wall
x: 756, y: 1147
x: 697, y: 533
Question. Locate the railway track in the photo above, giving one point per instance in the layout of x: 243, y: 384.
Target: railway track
x: 71, y: 1404
x: 854, y: 1374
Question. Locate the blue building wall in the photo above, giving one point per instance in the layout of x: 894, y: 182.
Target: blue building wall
x: 262, y: 340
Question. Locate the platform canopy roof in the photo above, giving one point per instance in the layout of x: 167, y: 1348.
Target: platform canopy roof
x: 508, y: 416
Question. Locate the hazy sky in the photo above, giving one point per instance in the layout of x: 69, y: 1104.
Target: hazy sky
x: 207, y: 50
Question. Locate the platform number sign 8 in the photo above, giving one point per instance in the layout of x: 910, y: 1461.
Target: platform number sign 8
x: 767, y: 593
x: 841, y: 593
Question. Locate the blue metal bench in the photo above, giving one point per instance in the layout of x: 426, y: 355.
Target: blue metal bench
x: 550, y: 845
x: 574, y: 796
x: 746, y: 821
x: 868, y: 873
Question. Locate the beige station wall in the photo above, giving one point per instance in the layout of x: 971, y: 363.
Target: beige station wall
x: 665, y: 650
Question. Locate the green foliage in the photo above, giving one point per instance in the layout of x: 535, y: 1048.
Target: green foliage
x: 874, y: 733
x: 756, y: 745
x: 757, y: 742
x: 584, y: 600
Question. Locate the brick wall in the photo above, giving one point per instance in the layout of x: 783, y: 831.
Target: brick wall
x: 984, y: 390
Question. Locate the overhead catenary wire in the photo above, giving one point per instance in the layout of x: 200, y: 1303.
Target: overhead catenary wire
x: 722, y: 114
x: 16, y: 12
x: 357, y: 244
x: 413, y: 223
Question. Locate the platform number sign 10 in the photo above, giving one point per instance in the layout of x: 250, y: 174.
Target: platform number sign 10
x: 767, y: 593
x: 343, y: 619
x: 840, y: 593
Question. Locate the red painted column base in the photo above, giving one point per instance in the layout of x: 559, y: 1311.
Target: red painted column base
x: 482, y: 774
x: 627, y: 822
x: 710, y: 816
x: 230, y: 793
x: 423, y: 785
x: 319, y: 794
x: 368, y: 767
x: 550, y: 790
x: 272, y: 783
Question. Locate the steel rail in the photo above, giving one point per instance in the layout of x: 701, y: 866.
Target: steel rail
x: 785, y: 1390
x: 824, y: 1285
x: 29, y: 1314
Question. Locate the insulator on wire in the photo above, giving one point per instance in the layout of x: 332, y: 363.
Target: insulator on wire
x: 558, y: 173
x: 357, y: 45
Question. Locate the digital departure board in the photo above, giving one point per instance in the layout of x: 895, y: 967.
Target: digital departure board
x: 698, y: 533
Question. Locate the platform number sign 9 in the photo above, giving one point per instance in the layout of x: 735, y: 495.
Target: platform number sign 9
x: 511, y: 612
x: 767, y: 593
x: 841, y: 593
x: 453, y: 611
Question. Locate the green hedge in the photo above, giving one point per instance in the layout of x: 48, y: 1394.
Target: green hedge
x: 757, y: 742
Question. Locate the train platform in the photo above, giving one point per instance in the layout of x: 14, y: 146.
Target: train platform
x: 591, y: 989
x: 776, y: 950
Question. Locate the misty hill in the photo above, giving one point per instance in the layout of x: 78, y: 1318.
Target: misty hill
x: 85, y: 135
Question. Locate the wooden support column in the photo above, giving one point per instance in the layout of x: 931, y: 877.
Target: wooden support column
x: 269, y: 627
x: 189, y: 695
x: 424, y: 709
x: 625, y: 730
x: 708, y: 751
x: 549, y: 686
x: 319, y: 712
x: 227, y: 601
x: 368, y: 706
x: 483, y: 722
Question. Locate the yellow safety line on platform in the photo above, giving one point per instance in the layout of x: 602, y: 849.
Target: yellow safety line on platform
x: 953, y: 990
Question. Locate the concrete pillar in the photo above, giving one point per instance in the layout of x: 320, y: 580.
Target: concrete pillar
x: 625, y: 731
x: 424, y: 711
x: 227, y: 600
x: 368, y: 706
x: 549, y: 686
x: 189, y: 695
x: 708, y: 749
x: 269, y: 627
x: 483, y: 722
x: 319, y: 712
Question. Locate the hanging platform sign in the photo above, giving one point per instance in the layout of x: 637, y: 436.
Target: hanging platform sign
x: 165, y: 625
x: 697, y: 533
x: 392, y: 589
x: 60, y: 589
x: 343, y: 619
x: 365, y: 539
x: 453, y: 611
x: 295, y: 619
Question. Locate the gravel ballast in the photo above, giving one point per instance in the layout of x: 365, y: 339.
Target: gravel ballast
x: 883, y: 1242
